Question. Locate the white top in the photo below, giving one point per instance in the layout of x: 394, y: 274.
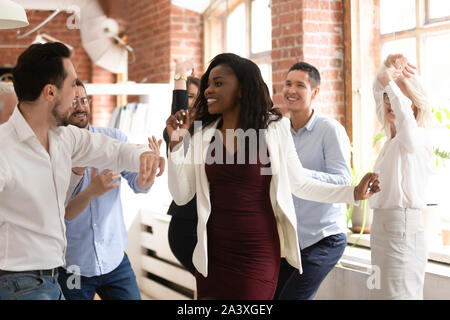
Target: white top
x: 33, y: 185
x: 187, y: 177
x: 405, y: 162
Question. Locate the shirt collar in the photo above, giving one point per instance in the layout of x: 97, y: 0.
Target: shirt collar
x: 22, y: 127
x: 312, y: 121
x: 309, y: 125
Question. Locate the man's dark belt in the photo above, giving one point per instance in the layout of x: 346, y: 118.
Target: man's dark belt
x: 49, y: 273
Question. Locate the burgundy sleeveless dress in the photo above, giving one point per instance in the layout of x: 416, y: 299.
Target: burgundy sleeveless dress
x: 243, y: 242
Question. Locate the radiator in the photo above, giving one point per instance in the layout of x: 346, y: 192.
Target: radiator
x: 162, y: 276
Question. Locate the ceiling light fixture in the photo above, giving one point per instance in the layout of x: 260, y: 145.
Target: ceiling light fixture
x: 12, y: 15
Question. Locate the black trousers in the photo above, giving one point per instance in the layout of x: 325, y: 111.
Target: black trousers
x: 182, y: 240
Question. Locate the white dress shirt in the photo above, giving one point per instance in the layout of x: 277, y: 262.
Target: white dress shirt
x: 187, y: 177
x: 405, y: 162
x: 33, y: 186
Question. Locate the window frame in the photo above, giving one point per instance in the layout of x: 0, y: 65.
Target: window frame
x: 259, y: 58
x: 429, y: 20
x: 424, y: 27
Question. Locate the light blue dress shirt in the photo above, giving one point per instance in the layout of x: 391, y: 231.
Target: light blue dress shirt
x: 323, y: 148
x: 96, y: 239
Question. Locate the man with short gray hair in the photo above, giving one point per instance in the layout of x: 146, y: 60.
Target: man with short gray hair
x: 8, y: 101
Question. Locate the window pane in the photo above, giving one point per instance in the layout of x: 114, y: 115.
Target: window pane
x: 236, y: 31
x: 436, y: 69
x: 407, y: 47
x: 215, y: 31
x: 438, y: 8
x: 397, y: 15
x: 266, y: 72
x: 261, y: 26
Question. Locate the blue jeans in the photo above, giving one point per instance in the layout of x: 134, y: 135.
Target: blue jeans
x: 27, y: 286
x: 119, y: 284
x: 317, y: 261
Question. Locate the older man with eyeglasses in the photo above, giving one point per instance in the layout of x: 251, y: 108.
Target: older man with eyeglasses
x: 96, y: 233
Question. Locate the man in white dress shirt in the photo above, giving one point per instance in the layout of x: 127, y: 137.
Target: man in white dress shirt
x: 37, y: 153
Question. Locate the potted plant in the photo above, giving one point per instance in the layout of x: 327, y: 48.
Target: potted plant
x: 361, y: 216
x: 435, y: 210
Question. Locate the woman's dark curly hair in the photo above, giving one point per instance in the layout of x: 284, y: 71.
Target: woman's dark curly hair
x: 257, y: 110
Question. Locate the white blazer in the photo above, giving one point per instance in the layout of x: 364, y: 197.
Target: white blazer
x: 187, y: 177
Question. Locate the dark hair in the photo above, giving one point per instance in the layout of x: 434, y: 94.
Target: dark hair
x: 78, y: 83
x: 37, y: 66
x: 313, y: 73
x: 192, y: 80
x: 256, y: 105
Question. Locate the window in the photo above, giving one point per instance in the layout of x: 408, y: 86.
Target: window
x: 437, y: 10
x: 397, y: 15
x: 243, y: 27
x: 419, y: 29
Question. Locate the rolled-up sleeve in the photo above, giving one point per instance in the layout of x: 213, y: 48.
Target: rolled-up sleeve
x: 100, y: 151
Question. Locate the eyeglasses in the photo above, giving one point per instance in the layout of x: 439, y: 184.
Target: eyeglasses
x: 386, y: 98
x: 83, y: 101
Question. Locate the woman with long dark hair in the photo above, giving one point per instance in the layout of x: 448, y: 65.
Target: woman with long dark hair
x: 243, y: 166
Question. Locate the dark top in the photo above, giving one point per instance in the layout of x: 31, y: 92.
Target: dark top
x: 189, y: 210
x: 243, y: 242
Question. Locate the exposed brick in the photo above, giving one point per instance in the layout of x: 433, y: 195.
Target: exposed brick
x: 313, y: 33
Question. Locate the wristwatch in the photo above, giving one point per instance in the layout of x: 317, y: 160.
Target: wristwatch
x: 180, y: 76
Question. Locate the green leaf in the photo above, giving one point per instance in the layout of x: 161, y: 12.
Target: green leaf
x: 439, y: 116
x: 349, y: 214
x: 378, y: 137
x: 447, y: 113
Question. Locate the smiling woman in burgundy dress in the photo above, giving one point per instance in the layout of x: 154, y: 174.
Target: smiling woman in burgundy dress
x: 246, y: 217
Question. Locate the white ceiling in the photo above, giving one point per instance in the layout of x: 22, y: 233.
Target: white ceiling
x: 194, y: 5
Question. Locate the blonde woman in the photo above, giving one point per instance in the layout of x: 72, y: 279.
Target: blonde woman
x: 398, y: 245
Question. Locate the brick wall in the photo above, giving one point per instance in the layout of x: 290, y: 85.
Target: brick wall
x: 149, y: 34
x: 11, y: 47
x: 102, y: 106
x: 310, y: 31
x: 160, y: 32
x: 186, y: 38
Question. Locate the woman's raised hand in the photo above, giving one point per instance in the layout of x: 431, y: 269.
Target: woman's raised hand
x: 401, y: 63
x: 184, y: 67
x: 177, y: 126
x: 387, y: 75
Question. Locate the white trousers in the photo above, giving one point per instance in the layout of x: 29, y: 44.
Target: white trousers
x: 399, y: 253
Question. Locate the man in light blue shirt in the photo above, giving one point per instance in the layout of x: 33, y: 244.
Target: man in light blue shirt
x: 95, y: 228
x: 323, y: 148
